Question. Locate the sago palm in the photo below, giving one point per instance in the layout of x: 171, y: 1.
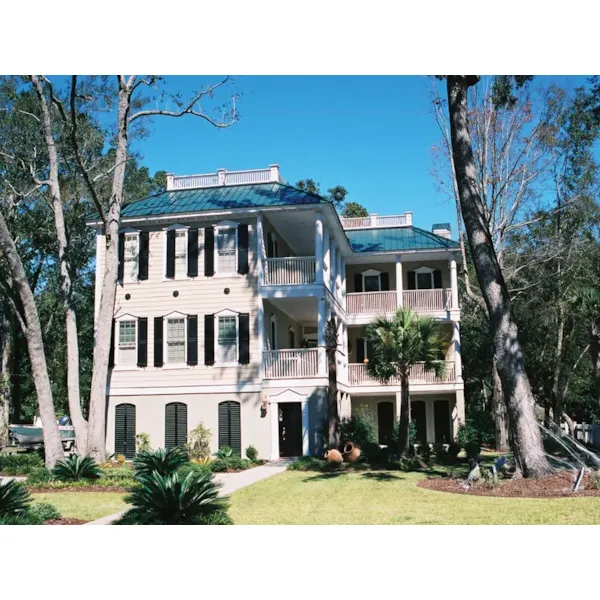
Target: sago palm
x: 164, y: 462
x: 397, y: 344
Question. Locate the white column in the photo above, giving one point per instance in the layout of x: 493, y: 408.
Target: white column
x: 305, y: 428
x: 399, y: 282
x: 260, y: 318
x: 454, y: 283
x: 319, y: 247
x: 333, y: 262
x: 457, y: 355
x: 458, y: 414
x: 274, y: 409
x: 338, y: 276
x: 326, y: 257
x: 321, y: 322
x: 343, y: 273
x: 430, y: 421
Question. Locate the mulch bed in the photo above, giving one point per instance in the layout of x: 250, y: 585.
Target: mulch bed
x: 556, y: 486
x: 65, y: 521
x: 78, y: 490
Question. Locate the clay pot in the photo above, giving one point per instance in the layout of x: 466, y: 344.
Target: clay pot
x: 333, y: 456
x: 351, y: 452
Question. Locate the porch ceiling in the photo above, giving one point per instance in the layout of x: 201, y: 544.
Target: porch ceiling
x: 297, y: 228
x: 302, y: 310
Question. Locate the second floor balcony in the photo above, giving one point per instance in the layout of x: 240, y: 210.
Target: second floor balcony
x: 359, y: 376
x: 375, y: 303
x: 292, y: 270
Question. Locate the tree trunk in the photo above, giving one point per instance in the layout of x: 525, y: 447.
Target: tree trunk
x: 333, y: 417
x: 527, y: 440
x: 15, y: 373
x: 4, y: 379
x: 35, y: 344
x: 404, y: 427
x: 499, y: 410
x: 595, y: 356
x: 66, y: 285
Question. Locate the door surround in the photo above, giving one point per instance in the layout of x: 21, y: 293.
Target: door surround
x: 287, y: 396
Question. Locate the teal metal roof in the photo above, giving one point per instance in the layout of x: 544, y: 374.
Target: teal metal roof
x: 219, y: 198
x: 389, y: 239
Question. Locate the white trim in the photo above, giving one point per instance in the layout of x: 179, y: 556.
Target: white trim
x: 170, y: 317
x: 287, y: 396
x: 421, y: 271
x: 222, y: 225
x: 370, y: 273
x: 260, y: 316
x: 124, y: 319
x: 226, y: 313
x: 186, y: 389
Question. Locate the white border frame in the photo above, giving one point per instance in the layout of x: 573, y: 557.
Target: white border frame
x: 216, y: 228
x: 370, y: 273
x: 422, y: 270
x: 118, y: 321
x: 167, y: 365
x: 288, y: 396
x: 135, y: 232
x: 227, y: 313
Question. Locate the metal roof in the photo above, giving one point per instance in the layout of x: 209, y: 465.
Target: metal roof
x: 219, y: 198
x: 390, y: 239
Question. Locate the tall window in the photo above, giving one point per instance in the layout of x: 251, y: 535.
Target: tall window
x: 226, y: 250
x: 127, y: 343
x: 175, y: 341
x: 130, y: 270
x: 227, y: 340
x: 180, y: 254
x: 372, y: 283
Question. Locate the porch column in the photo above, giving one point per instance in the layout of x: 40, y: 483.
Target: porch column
x: 457, y: 355
x: 326, y: 258
x: 319, y: 247
x: 305, y: 428
x: 333, y: 261
x: 274, y: 410
x: 453, y: 283
x: 260, y: 316
x: 338, y: 276
x: 458, y: 414
x: 399, y: 280
x: 343, y: 272
x: 321, y: 322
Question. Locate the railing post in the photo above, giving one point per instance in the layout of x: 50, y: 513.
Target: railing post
x: 319, y: 239
x: 399, y: 282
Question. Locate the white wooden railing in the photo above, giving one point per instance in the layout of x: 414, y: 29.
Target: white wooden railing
x: 195, y: 181
x: 294, y: 270
x: 223, y: 177
x: 371, y: 303
x: 291, y: 364
x: 428, y: 300
x: 377, y: 221
x: 358, y: 375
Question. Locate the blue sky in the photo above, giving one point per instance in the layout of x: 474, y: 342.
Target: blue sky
x: 373, y: 135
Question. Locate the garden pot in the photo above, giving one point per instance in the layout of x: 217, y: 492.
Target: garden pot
x: 351, y: 452
x: 333, y: 456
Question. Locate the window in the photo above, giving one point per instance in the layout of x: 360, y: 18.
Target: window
x: 125, y: 430
x: 226, y: 254
x: 181, y: 254
x: 131, y: 255
x: 175, y: 425
x: 230, y: 433
x: 372, y: 283
x: 175, y: 341
x: 127, y: 343
x: 227, y: 340
x: 424, y: 281
x: 313, y: 344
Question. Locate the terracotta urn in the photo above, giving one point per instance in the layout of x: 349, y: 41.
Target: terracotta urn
x: 333, y: 455
x: 351, y: 452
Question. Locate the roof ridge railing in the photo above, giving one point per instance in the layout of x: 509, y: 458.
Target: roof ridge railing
x: 374, y: 221
x: 224, y: 178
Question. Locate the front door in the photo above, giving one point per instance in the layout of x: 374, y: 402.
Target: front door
x: 290, y: 429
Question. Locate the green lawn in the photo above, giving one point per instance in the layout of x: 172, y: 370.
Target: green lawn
x: 390, y: 498
x: 84, y: 505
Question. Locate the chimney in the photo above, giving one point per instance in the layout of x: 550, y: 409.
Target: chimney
x: 441, y: 229
x: 274, y: 175
x: 170, y: 181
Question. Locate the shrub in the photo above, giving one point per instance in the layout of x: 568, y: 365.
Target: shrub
x: 121, y: 458
x: 164, y: 462
x: 103, y: 482
x: 14, y: 498
x: 307, y: 463
x: 39, y: 475
x: 440, y: 452
x: 453, y: 451
x: 172, y: 500
x: 189, y: 467
x: 473, y: 449
x: 470, y: 439
x: 142, y: 442
x: 251, y: 453
x: 232, y: 463
x: 20, y: 464
x: 75, y: 468
x: 117, y: 474
x: 198, y: 445
x: 360, y: 429
x: 595, y: 480
x: 204, y: 461
x: 225, y: 452
x: 425, y: 451
x: 43, y: 511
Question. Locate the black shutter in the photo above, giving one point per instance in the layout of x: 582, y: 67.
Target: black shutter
x: 358, y: 282
x: 125, y: 430
x: 121, y: 257
x: 411, y: 279
x: 209, y: 339
x: 270, y: 246
x: 144, y: 255
x: 244, y: 338
x: 437, y: 279
x: 192, y: 253
x: 158, y: 342
x: 175, y: 425
x: 111, y: 356
x: 170, y: 274
x: 192, y: 340
x: 385, y: 281
x: 243, y: 249
x: 229, y: 426
x: 209, y: 251
x: 360, y: 350
x: 142, y: 348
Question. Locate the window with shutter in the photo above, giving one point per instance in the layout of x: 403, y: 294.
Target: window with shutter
x: 176, y: 341
x: 176, y: 252
x: 229, y: 426
x: 227, y: 346
x: 180, y: 254
x: 175, y: 425
x: 125, y: 430
x: 226, y: 251
x: 127, y: 343
x: 130, y: 272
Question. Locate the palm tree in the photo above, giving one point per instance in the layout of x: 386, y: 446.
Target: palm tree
x: 398, y: 343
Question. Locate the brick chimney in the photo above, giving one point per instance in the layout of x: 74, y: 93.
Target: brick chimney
x: 441, y: 229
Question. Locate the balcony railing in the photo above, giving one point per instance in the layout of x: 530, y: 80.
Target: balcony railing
x: 428, y: 300
x: 291, y: 364
x: 377, y: 221
x: 358, y: 375
x: 371, y: 303
x: 294, y: 270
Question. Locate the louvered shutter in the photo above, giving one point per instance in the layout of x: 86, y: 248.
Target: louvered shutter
x: 142, y: 345
x: 360, y: 350
x: 144, y: 255
x: 437, y: 279
x: 209, y: 339
x: 244, y: 338
x: 175, y: 425
x: 385, y: 281
x: 125, y: 430
x: 111, y: 356
x: 229, y: 426
x: 358, y: 280
x: 192, y: 340
x: 158, y: 342
x: 209, y: 251
x: 411, y: 279
x: 243, y: 249
x: 192, y: 253
x: 170, y: 273
x: 121, y: 250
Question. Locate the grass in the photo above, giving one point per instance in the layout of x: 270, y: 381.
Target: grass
x: 392, y: 498
x: 85, y: 505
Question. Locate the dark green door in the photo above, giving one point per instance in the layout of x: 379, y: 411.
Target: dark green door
x: 125, y: 430
x: 290, y: 429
